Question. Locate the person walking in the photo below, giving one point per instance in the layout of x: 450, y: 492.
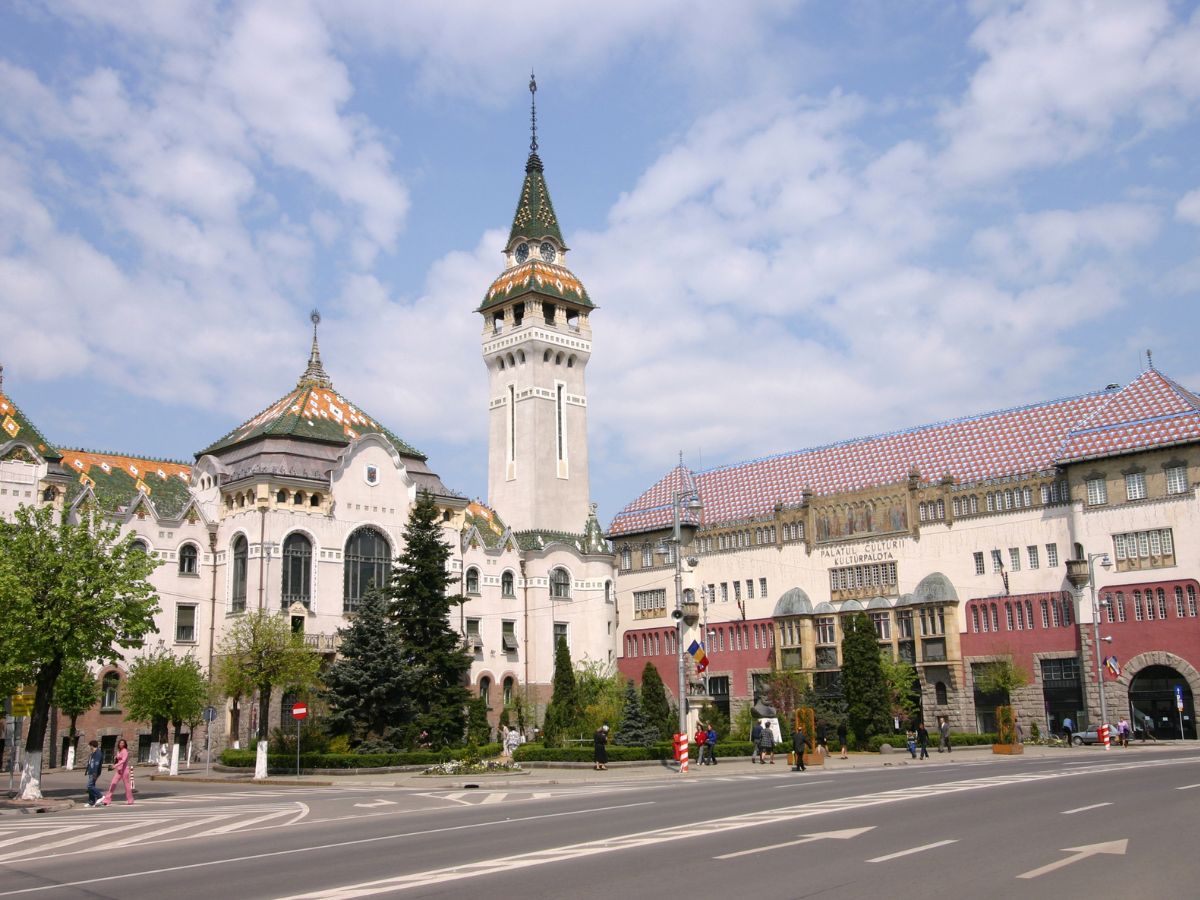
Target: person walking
x: 512, y: 740
x: 823, y: 739
x: 910, y: 739
x: 923, y: 739
x: 944, y: 732
x: 1123, y: 731
x: 756, y: 742
x: 841, y: 733
x: 600, y: 748
x: 95, y: 765
x: 1148, y: 730
x: 701, y: 743
x: 122, y: 771
x: 710, y: 742
x: 766, y: 745
x: 799, y: 745
x: 1068, y: 728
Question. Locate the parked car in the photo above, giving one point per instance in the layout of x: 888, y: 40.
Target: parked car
x: 1079, y: 738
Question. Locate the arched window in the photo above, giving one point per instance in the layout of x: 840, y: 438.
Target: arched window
x: 281, y: 496
x: 368, y: 565
x: 509, y: 684
x: 485, y: 691
x: 141, y: 545
x: 472, y: 580
x: 110, y: 690
x: 560, y: 584
x: 314, y: 500
x: 298, y: 498
x: 237, y: 596
x: 608, y: 592
x: 507, y: 585
x: 939, y: 690
x: 297, y: 570
x: 187, y: 559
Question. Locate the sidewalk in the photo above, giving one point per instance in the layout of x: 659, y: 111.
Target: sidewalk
x: 64, y: 790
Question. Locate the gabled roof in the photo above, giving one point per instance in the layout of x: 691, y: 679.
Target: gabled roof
x: 534, y: 218
x: 118, y: 480
x: 15, y: 425
x: 485, y: 522
x: 1152, y: 411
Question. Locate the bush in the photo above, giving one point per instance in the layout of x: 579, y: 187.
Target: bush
x: 957, y: 739
x: 286, y: 763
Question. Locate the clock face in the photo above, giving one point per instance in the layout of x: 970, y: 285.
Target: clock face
x: 522, y: 252
x: 547, y: 251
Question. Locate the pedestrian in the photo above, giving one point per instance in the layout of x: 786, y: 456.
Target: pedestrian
x: 1020, y: 732
x: 502, y: 737
x: 123, y: 774
x: 1123, y: 731
x: 799, y: 745
x: 766, y: 745
x: 1068, y: 727
x: 600, y: 748
x: 95, y: 765
x: 701, y: 742
x: 944, y: 731
x: 512, y: 741
x: 841, y: 733
x: 1148, y: 730
x: 910, y: 738
x: 710, y: 742
x: 756, y: 742
x: 823, y: 739
x: 923, y: 739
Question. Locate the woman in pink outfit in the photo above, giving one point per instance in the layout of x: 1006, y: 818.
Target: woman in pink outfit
x: 121, y: 765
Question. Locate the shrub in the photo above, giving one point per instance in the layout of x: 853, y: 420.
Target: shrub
x: 957, y: 739
x: 286, y: 763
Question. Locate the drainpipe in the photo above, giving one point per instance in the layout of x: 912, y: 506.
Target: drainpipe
x: 212, y: 621
x: 525, y: 636
x: 262, y: 550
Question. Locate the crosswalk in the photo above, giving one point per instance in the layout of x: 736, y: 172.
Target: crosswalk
x: 23, y: 840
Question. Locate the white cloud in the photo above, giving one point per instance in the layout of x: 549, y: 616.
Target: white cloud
x: 1188, y: 207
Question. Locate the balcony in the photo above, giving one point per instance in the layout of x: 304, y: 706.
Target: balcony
x: 323, y: 643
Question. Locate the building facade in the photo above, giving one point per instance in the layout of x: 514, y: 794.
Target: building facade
x: 965, y: 542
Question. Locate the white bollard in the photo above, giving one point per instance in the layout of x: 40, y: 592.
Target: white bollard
x: 260, y: 762
x: 174, y: 759
x: 70, y: 758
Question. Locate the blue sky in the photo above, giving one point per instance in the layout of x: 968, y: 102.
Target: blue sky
x: 802, y: 222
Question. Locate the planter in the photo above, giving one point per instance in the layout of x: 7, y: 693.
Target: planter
x: 814, y: 759
x: 1009, y: 749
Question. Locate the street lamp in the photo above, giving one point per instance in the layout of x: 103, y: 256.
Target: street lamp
x: 675, y: 542
x: 1105, y: 563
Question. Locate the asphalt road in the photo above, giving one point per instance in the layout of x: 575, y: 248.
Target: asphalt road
x: 1067, y: 825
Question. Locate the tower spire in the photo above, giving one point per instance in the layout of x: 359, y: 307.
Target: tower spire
x: 534, y: 163
x: 315, y: 373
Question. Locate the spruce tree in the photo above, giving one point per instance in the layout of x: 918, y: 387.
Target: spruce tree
x: 420, y: 606
x: 563, y: 709
x: 371, y: 685
x: 655, y: 704
x: 867, y: 698
x: 636, y: 730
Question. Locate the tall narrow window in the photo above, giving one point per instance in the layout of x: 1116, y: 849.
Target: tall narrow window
x: 558, y: 418
x: 187, y: 559
x: 507, y: 585
x: 297, y: 570
x: 1097, y: 492
x: 512, y: 423
x: 110, y: 691
x: 560, y: 584
x: 472, y: 580
x: 1177, y: 481
x: 1135, y: 486
x: 237, y: 595
x: 368, y: 564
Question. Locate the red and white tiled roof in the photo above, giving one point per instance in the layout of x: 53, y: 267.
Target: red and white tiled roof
x: 1152, y: 411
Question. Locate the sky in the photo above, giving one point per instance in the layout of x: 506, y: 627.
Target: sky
x: 801, y: 222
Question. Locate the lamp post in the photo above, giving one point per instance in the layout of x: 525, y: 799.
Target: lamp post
x: 1106, y: 563
x: 675, y: 542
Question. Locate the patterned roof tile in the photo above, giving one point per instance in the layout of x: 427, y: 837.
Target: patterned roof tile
x: 117, y: 480
x: 538, y: 276
x: 15, y: 425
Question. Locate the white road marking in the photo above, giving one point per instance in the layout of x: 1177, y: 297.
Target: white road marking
x: 374, y: 803
x: 1116, y: 848
x: 911, y: 851
x: 806, y: 839
x: 1071, y: 812
x: 1187, y: 787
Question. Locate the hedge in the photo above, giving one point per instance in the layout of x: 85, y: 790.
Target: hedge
x: 287, y: 762
x: 957, y: 739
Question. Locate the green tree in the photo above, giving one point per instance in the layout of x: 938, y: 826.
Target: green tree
x: 866, y: 691
x: 563, y: 709
x: 635, y: 730
x: 163, y: 688
x: 902, y: 685
x: 75, y: 693
x: 1001, y: 676
x: 372, y: 684
x: 785, y: 690
x: 420, y: 607
x: 600, y: 694
x: 260, y: 652
x: 655, y: 703
x: 478, y: 728
x: 70, y: 591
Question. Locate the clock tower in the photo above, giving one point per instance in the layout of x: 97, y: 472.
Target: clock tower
x: 536, y: 345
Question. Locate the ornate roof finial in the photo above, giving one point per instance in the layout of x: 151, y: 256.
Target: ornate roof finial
x: 532, y: 112
x: 315, y: 373
x: 1150, y: 360
x: 681, y: 459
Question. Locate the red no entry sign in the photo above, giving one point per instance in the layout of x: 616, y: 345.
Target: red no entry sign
x: 299, y: 711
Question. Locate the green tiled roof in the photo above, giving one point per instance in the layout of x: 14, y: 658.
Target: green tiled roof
x: 535, y: 218
x: 536, y: 539
x: 15, y: 425
x: 117, y: 480
x: 536, y: 276
x: 487, y: 523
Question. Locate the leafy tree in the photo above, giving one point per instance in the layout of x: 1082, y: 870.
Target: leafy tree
x: 260, y: 652
x: 600, y: 695
x: 478, y: 729
x: 76, y: 692
x: 828, y: 706
x: 563, y: 708
x: 636, y: 730
x: 743, y: 722
x: 866, y: 691
x: 785, y: 692
x: 1001, y: 676
x: 903, y: 688
x: 371, y: 685
x: 162, y: 688
x: 715, y: 717
x: 420, y: 606
x: 655, y: 703
x: 70, y: 591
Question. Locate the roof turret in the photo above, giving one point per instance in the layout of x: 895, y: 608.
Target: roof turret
x: 534, y: 218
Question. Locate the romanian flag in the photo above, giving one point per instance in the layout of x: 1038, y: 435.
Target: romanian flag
x: 699, y: 655
x: 1114, y: 668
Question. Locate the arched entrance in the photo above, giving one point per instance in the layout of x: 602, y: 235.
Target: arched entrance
x: 1152, y: 693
